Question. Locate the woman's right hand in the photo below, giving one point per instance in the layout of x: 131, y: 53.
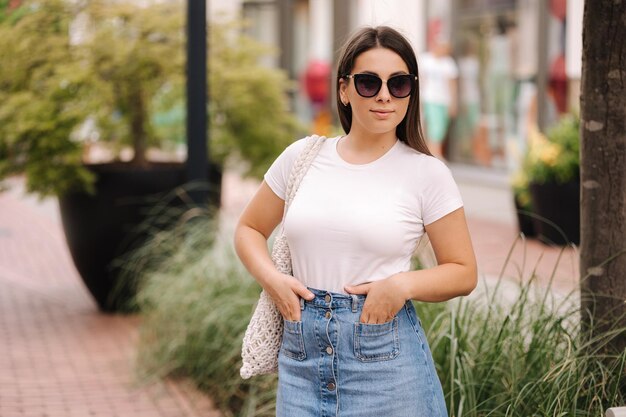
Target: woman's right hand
x: 286, y: 292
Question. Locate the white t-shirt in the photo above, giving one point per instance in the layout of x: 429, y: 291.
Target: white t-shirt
x: 436, y: 73
x: 350, y: 224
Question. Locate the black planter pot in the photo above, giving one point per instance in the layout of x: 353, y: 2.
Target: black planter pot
x: 102, y: 227
x: 558, y: 209
x: 524, y: 220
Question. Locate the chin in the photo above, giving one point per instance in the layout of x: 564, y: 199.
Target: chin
x: 381, y: 129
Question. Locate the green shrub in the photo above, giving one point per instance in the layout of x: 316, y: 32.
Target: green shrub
x: 555, y: 156
x: 498, y: 352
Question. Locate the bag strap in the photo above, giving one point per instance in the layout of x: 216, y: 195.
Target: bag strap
x: 300, y: 168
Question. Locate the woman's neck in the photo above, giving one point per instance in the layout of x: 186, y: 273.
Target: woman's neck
x: 363, y: 148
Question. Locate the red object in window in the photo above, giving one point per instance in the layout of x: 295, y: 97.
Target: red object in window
x: 558, y: 8
x: 433, y: 33
x: 558, y: 83
x: 317, y: 81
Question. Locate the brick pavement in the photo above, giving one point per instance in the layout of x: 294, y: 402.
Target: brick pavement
x: 500, y: 252
x: 59, y: 356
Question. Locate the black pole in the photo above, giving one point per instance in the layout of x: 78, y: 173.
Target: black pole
x: 542, y: 64
x: 197, y: 148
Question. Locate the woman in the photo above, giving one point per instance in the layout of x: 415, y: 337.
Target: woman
x: 352, y: 344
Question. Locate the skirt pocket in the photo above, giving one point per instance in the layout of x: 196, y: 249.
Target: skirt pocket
x: 293, y: 340
x: 376, y: 342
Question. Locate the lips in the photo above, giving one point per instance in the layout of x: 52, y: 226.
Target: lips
x: 382, y: 113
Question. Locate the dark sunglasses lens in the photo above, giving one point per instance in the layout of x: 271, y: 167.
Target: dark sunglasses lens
x: 400, y: 86
x: 367, y: 85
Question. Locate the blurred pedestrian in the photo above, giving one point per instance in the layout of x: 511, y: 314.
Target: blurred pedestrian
x: 439, y: 93
x: 352, y: 343
x: 469, y: 100
x: 500, y: 88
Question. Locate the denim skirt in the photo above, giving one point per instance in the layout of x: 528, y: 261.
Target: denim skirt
x: 330, y: 364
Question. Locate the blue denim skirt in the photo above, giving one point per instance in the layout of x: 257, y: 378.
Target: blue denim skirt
x: 330, y: 364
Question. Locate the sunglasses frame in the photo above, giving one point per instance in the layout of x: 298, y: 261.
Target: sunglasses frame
x: 356, y: 76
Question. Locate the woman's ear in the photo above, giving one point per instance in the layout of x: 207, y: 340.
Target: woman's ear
x: 343, y: 96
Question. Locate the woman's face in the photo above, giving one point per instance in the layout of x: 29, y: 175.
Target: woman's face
x: 383, y: 112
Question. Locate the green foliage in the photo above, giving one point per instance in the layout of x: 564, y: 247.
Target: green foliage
x: 554, y: 157
x: 127, y: 73
x: 522, y: 358
x: 521, y: 191
x: 246, y: 116
x: 43, y: 96
x: 550, y: 158
x: 502, y: 352
x: 11, y: 11
x: 133, y: 53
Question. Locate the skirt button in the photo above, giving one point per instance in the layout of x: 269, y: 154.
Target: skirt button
x: 327, y: 298
x: 331, y: 386
x: 328, y: 315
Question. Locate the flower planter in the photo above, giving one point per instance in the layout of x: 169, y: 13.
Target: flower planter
x: 524, y: 220
x: 557, y: 209
x: 99, y: 228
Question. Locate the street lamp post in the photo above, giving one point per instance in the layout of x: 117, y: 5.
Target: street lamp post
x: 197, y: 148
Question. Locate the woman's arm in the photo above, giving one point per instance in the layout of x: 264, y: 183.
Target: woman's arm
x: 455, y: 274
x: 456, y: 271
x: 256, y: 224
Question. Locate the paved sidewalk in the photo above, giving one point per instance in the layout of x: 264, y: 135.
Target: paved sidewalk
x: 59, y: 356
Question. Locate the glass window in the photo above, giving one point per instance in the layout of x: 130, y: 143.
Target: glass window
x: 261, y: 18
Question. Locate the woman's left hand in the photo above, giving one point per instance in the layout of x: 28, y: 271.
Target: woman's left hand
x: 384, y: 299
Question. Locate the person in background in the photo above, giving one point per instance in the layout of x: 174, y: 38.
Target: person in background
x: 439, y: 75
x: 469, y: 90
x: 352, y: 344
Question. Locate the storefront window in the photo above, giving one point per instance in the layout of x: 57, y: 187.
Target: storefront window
x: 261, y: 19
x: 483, y: 39
x: 486, y: 4
x: 485, y: 49
x: 495, y: 47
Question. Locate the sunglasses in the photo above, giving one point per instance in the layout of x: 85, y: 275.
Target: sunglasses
x: 368, y: 85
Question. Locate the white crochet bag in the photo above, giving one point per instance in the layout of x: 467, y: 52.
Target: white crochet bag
x: 263, y: 336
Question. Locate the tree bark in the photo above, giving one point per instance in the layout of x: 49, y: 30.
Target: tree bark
x: 137, y: 112
x: 603, y: 172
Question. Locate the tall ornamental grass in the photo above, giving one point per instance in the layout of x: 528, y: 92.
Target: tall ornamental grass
x: 500, y: 352
x: 518, y: 351
x: 196, y: 302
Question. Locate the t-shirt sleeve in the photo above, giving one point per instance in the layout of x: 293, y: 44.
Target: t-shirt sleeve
x: 277, y: 175
x: 441, y: 195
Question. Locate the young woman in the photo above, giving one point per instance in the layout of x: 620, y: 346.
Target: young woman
x: 352, y: 343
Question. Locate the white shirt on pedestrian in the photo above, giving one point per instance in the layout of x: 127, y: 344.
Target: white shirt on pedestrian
x: 436, y: 74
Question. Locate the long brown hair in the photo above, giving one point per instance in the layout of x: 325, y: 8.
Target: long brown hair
x: 410, y: 129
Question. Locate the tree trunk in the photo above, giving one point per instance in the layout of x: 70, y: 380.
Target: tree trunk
x: 138, y: 129
x: 603, y: 171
